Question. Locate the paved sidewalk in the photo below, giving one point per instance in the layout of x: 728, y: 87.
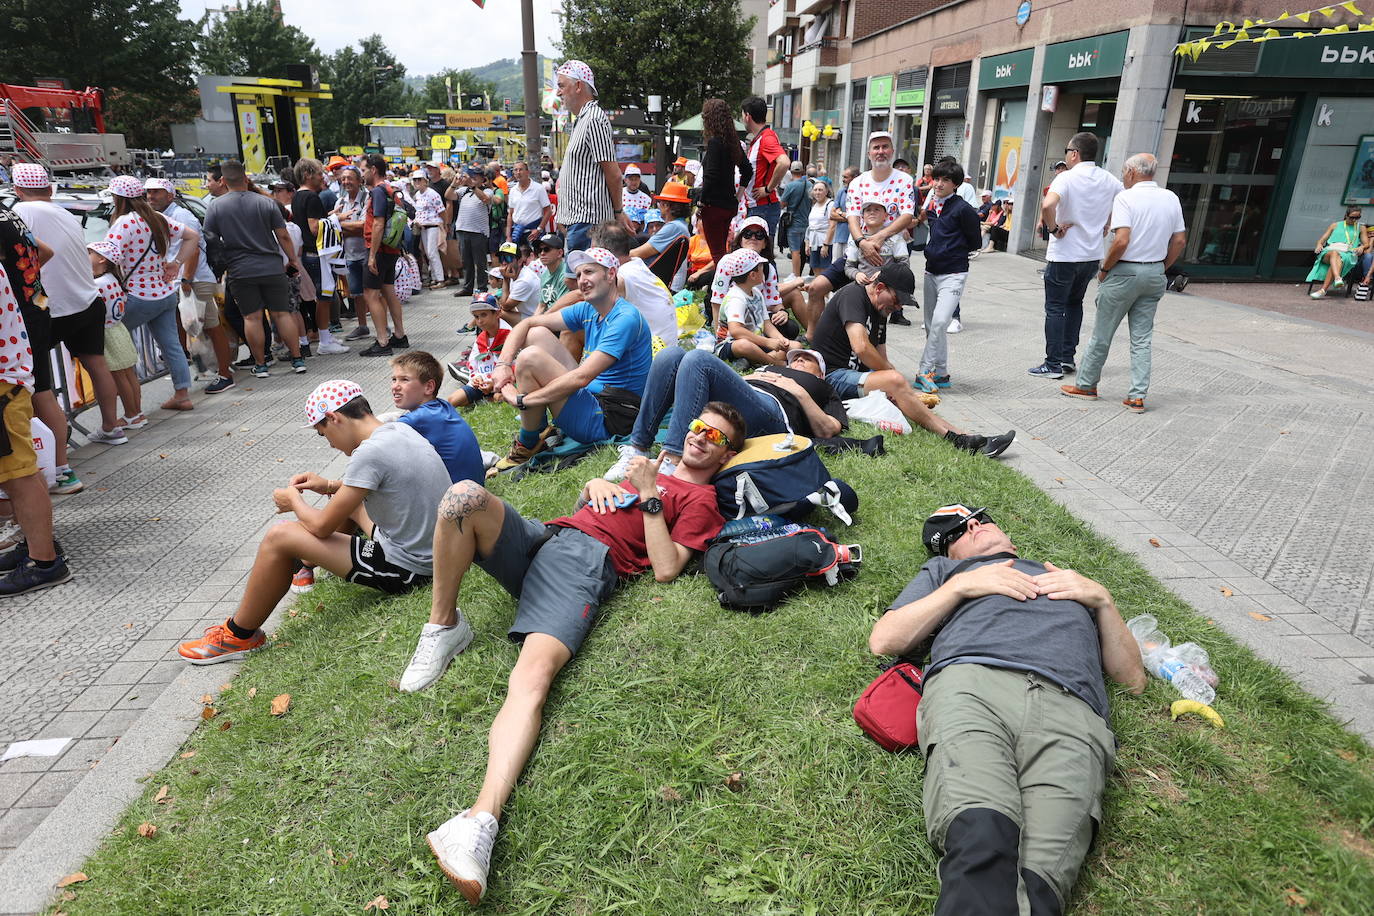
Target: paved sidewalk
x: 1252, y: 469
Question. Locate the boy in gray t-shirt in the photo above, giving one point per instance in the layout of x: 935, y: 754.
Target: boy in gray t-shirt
x: 390, y: 493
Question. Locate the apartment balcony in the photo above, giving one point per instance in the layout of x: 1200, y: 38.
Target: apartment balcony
x: 816, y: 64
x: 778, y: 75
x: 814, y: 7
x: 781, y: 14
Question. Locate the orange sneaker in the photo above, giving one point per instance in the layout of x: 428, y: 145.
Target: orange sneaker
x: 219, y: 644
x: 1073, y: 391
x: 1136, y: 404
x: 304, y: 580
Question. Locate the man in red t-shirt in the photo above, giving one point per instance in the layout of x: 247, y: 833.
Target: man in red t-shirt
x: 379, y: 281
x: 769, y: 161
x: 561, y: 573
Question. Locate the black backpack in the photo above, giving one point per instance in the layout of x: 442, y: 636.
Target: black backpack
x: 756, y: 572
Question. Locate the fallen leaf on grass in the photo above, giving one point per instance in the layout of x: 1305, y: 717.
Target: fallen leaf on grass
x: 378, y: 903
x: 226, y: 725
x: 74, y: 878
x: 1347, y: 755
x: 208, y: 712
x: 1154, y: 542
x: 735, y: 782
x: 280, y: 704
x: 668, y: 793
x: 292, y: 613
x: 1226, y: 592
x: 147, y: 830
x: 252, y: 692
x: 68, y: 896
x: 161, y: 797
x: 188, y: 755
x: 1293, y: 898
x: 1262, y: 617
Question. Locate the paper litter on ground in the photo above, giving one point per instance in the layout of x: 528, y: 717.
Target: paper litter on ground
x: 46, y: 747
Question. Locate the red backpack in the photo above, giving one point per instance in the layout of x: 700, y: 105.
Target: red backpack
x: 886, y: 710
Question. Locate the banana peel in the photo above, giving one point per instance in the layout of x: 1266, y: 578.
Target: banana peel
x: 1184, y: 707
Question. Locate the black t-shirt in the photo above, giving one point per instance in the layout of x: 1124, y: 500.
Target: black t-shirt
x: 305, y: 206
x: 19, y: 255
x: 439, y: 186
x: 819, y: 390
x: 848, y: 306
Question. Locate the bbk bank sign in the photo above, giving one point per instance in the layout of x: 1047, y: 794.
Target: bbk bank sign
x: 1347, y: 55
x: 1101, y: 56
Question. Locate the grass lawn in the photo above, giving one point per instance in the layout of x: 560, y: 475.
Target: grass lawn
x: 625, y: 808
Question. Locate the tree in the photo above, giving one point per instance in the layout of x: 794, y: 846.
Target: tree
x: 138, y: 51
x: 253, y: 42
x: 366, y: 82
x: 465, y: 83
x: 683, y: 52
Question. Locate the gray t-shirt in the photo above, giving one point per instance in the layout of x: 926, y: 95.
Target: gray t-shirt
x: 1054, y: 638
x: 406, y: 478
x: 246, y: 221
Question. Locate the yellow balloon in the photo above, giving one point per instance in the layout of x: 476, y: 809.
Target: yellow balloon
x: 829, y: 131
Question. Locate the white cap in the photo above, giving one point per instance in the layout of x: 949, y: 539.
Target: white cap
x: 629, y: 170
x: 159, y: 184
x: 879, y: 133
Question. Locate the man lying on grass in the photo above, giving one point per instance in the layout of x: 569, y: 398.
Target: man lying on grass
x: 389, y: 492
x: 1014, y: 722
x: 561, y: 573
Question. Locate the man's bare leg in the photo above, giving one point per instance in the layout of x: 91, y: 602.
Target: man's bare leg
x: 393, y: 305
x: 815, y: 304
x: 276, y: 562
x: 470, y: 520
x: 891, y: 383
x: 376, y: 307
x: 543, y: 360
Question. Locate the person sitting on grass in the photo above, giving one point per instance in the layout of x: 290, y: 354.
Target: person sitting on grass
x: 893, y: 248
x: 852, y: 336
x: 744, y: 331
x: 519, y: 281
x: 1013, y: 721
x: 590, y: 401
x: 771, y: 401
x: 390, y: 492
x: 474, y: 376
x: 561, y: 574
x: 415, y: 381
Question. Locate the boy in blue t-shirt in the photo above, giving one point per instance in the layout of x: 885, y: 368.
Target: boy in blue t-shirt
x: 415, y: 379
x: 591, y: 401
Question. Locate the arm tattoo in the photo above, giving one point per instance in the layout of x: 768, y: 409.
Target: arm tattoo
x: 461, y: 500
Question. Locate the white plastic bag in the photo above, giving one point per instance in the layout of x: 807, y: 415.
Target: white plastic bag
x: 45, y: 444
x: 875, y: 408
x: 192, y: 321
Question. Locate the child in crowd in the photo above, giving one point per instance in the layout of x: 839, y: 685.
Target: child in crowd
x: 390, y: 491
x: 120, y: 354
x: 744, y: 331
x: 874, y: 216
x: 820, y: 229
x: 474, y: 377
x: 415, y: 381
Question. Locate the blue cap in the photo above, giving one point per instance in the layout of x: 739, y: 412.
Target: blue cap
x: 653, y: 215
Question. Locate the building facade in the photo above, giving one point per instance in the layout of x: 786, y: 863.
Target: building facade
x: 1262, y: 142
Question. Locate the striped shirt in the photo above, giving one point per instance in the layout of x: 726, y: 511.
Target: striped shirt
x: 582, y: 193
x: 472, y: 214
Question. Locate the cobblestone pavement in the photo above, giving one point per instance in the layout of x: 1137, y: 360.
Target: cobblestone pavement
x: 1252, y: 469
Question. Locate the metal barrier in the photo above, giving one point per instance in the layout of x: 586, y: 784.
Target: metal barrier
x: 149, y: 366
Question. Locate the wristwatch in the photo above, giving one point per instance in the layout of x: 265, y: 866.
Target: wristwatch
x: 520, y: 402
x: 653, y: 505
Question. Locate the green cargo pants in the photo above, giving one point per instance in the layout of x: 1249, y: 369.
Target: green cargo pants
x: 1015, y: 768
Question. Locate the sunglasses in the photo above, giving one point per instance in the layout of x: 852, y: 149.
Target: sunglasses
x: 753, y: 234
x: 962, y: 528
x: 713, y: 435
x: 1069, y: 149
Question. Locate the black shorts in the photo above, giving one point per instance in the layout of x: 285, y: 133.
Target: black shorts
x: 373, y: 569
x: 38, y: 324
x: 386, y: 271
x: 836, y: 275
x: 254, y: 294
x: 84, y: 332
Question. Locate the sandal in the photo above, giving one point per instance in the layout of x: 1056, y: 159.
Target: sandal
x: 137, y: 422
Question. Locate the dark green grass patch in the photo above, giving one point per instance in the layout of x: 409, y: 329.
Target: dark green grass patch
x: 625, y: 806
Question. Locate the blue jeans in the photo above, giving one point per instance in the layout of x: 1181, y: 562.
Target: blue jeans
x: 685, y: 381
x: 161, y: 316
x: 579, y: 237
x: 1066, y: 282
x: 521, y: 232
x: 357, y: 276
x: 771, y: 213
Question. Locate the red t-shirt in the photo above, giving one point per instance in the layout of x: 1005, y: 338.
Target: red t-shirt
x: 377, y: 196
x: 689, y: 508
x: 764, y: 151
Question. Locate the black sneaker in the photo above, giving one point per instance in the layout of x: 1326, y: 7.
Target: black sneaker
x: 376, y: 350
x: 18, y: 554
x: 219, y: 385
x: 400, y: 343
x: 899, y: 318
x: 1045, y: 370
x: 358, y: 333
x: 966, y: 441
x: 461, y: 293
x: 305, y: 351
x: 998, y: 444
x: 248, y: 363
x: 28, y: 576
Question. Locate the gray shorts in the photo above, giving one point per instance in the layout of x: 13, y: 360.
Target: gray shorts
x: 558, y: 585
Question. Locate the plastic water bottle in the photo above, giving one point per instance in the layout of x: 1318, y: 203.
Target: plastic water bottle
x: 1196, y: 657
x: 1148, y: 635
x: 1170, y: 666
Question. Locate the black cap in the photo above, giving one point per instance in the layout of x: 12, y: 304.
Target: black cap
x: 549, y: 240
x: 945, y: 525
x: 899, y: 278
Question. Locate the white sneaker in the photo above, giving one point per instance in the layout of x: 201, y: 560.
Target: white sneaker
x: 332, y: 348
x: 1318, y: 294
x: 109, y: 437
x: 618, y: 470
x: 433, y: 653
x: 954, y: 327
x: 10, y: 535
x: 463, y: 847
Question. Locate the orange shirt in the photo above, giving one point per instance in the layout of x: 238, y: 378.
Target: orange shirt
x: 698, y: 253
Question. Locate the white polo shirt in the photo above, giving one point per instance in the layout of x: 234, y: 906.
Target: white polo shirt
x: 1153, y: 214
x: 527, y: 206
x: 1085, y: 203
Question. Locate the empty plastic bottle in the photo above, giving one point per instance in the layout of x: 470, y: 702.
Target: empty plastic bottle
x: 1148, y: 635
x: 1196, y: 656
x: 1168, y: 665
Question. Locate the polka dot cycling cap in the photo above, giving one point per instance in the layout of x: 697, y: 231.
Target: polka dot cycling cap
x: 593, y: 256
x: 28, y: 175
x: 575, y: 69
x: 740, y: 262
x: 126, y: 186
x: 329, y: 397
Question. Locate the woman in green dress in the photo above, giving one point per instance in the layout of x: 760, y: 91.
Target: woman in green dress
x: 1337, y: 251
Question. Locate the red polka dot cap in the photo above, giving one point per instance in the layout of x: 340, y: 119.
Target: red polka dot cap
x: 577, y: 70
x: 739, y: 262
x: 593, y: 256
x: 126, y: 186
x: 29, y: 175
x: 329, y: 397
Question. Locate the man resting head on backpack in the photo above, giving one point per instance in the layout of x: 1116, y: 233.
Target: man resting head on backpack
x: 1013, y: 720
